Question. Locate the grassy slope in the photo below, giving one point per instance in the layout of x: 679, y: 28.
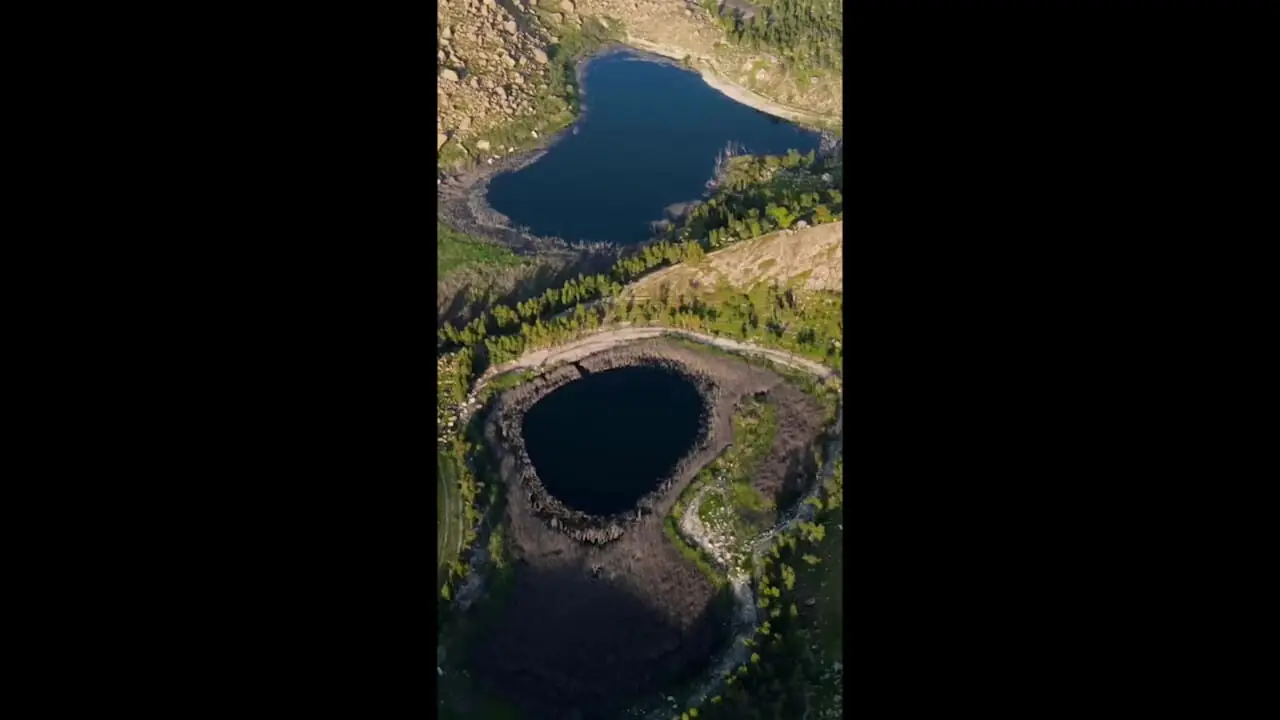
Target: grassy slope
x: 449, y: 515
x: 456, y: 252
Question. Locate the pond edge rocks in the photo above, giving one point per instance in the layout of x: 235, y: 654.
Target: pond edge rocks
x: 503, y: 429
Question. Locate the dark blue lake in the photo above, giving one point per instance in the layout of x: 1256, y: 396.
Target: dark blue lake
x: 648, y: 139
x: 600, y: 443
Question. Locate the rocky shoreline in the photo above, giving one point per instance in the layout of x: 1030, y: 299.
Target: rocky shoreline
x: 508, y: 418
x: 462, y: 194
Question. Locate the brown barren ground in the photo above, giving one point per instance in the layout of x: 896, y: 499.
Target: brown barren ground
x: 589, y: 628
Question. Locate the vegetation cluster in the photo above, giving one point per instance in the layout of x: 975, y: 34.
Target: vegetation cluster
x: 795, y: 667
x: 752, y: 196
x: 457, y: 252
x: 808, y: 33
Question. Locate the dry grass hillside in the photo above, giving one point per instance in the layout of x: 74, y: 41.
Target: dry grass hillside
x: 810, y: 259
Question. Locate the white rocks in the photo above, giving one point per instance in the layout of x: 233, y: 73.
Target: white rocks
x: 539, y: 56
x: 447, y: 74
x: 510, y: 27
x: 533, y: 133
x: 482, y: 145
x: 441, y: 140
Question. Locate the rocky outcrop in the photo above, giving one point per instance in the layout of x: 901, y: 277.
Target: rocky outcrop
x: 491, y: 63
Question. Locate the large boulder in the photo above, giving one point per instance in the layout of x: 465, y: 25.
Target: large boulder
x: 447, y: 74
x: 540, y: 56
x: 441, y: 140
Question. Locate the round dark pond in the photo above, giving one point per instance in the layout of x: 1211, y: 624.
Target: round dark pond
x: 648, y: 139
x: 600, y: 443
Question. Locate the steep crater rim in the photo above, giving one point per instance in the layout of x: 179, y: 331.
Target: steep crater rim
x: 595, y: 624
x: 600, y: 443
x: 513, y: 409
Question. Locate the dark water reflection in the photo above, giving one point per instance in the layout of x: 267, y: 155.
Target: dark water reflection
x: 649, y: 140
x: 600, y: 443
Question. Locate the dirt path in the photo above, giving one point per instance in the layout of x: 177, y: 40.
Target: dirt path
x: 583, y: 347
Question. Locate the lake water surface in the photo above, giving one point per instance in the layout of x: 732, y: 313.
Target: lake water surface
x: 600, y: 443
x: 648, y: 139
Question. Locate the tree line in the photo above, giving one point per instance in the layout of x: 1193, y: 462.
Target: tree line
x: 751, y: 201
x: 808, y: 31
x: 755, y: 195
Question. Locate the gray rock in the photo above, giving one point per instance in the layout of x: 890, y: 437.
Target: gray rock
x: 539, y: 56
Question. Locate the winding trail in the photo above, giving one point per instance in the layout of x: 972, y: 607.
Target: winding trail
x: 606, y: 339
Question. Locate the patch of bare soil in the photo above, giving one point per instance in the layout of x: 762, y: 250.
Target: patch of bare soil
x: 593, y: 625
x: 783, y: 474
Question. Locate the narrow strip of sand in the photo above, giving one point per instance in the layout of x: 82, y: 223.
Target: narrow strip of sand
x: 732, y: 90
